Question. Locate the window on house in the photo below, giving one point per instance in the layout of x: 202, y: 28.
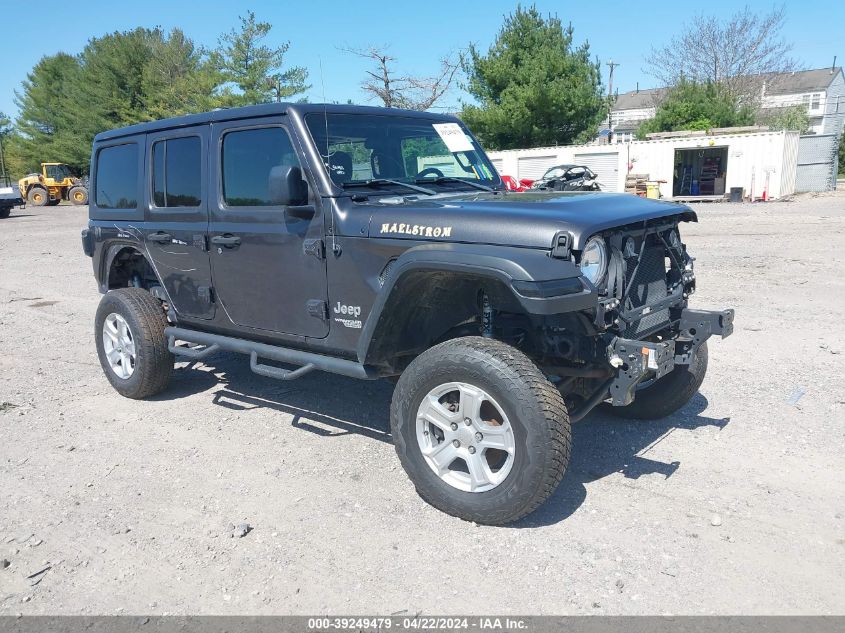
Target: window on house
x: 812, y: 101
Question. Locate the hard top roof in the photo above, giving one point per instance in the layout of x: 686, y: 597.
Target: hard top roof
x: 267, y: 109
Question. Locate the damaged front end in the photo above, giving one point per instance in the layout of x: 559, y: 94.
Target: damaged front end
x: 640, y: 360
x: 641, y: 327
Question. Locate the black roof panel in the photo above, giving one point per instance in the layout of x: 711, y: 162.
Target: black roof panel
x: 267, y: 109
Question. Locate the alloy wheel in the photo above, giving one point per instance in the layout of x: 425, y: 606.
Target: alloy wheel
x: 119, y: 345
x: 465, y: 437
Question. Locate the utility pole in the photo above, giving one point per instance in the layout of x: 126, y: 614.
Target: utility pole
x: 612, y: 65
x: 4, y: 178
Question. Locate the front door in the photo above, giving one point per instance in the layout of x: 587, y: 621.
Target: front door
x: 177, y: 214
x: 267, y: 261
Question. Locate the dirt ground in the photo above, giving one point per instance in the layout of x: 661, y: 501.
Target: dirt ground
x: 736, y: 505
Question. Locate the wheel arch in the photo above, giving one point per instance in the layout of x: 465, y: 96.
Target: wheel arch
x: 432, y: 290
x: 122, y: 262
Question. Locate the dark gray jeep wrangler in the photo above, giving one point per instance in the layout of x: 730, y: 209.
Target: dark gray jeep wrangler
x: 378, y: 243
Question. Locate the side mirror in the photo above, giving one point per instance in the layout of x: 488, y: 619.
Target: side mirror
x: 286, y: 186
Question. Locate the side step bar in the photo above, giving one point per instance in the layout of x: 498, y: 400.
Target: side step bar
x: 306, y: 361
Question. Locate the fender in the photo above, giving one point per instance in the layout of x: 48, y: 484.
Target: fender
x: 531, y: 279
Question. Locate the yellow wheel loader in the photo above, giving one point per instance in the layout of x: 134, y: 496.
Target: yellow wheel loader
x: 53, y: 185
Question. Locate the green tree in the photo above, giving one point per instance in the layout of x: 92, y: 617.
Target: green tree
x: 179, y: 78
x: 119, y: 79
x: 128, y: 77
x: 695, y: 106
x: 254, y: 68
x: 533, y: 87
x: 794, y: 118
x: 44, y: 129
x: 112, y: 87
x: 5, y: 129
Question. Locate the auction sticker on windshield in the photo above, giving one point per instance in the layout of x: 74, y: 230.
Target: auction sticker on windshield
x: 453, y: 136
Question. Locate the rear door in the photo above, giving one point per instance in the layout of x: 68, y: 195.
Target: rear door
x: 267, y: 260
x: 177, y: 218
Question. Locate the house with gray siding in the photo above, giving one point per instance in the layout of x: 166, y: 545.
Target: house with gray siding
x: 821, y: 91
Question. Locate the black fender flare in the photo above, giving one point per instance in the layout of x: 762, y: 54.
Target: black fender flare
x: 519, y: 272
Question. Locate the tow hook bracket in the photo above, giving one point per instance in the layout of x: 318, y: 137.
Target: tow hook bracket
x: 635, y: 360
x: 696, y: 326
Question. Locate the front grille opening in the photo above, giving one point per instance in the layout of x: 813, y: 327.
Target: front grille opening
x: 649, y: 286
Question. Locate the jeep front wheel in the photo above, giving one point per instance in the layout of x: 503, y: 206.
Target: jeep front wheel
x: 481, y: 432
x: 131, y: 343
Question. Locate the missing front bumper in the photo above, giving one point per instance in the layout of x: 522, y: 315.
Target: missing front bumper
x: 637, y: 360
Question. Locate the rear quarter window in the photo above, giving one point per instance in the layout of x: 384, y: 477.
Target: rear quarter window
x: 117, y: 177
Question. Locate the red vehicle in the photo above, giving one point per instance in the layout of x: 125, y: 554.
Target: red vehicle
x: 511, y: 183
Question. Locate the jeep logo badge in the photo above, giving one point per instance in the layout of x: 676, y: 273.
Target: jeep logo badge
x: 354, y: 311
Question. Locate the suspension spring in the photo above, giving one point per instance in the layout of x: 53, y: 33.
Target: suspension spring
x: 486, y: 316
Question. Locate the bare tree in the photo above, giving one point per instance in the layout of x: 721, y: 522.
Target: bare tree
x: 406, y: 91
x: 739, y: 53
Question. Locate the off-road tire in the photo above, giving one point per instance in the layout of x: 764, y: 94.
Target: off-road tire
x: 668, y: 394
x: 78, y: 195
x: 5, y: 212
x: 146, y: 319
x: 37, y: 197
x: 534, y: 407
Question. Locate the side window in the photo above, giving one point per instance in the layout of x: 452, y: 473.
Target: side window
x: 177, y: 175
x: 117, y: 177
x: 248, y: 158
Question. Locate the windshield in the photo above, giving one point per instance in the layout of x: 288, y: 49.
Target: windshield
x: 58, y: 172
x: 555, y: 172
x: 360, y: 148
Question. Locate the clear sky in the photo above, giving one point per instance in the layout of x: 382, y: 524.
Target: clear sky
x: 418, y: 33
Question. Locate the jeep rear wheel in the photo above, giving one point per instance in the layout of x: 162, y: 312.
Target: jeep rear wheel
x: 665, y: 396
x: 481, y: 432
x: 131, y: 343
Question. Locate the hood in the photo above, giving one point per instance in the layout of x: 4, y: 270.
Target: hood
x: 527, y: 220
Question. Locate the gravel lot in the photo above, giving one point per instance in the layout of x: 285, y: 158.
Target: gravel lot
x: 734, y: 505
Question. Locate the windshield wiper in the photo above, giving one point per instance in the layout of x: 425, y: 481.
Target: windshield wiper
x: 375, y: 182
x: 443, y: 179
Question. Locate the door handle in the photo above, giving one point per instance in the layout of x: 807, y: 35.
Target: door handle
x: 225, y: 240
x: 160, y: 237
